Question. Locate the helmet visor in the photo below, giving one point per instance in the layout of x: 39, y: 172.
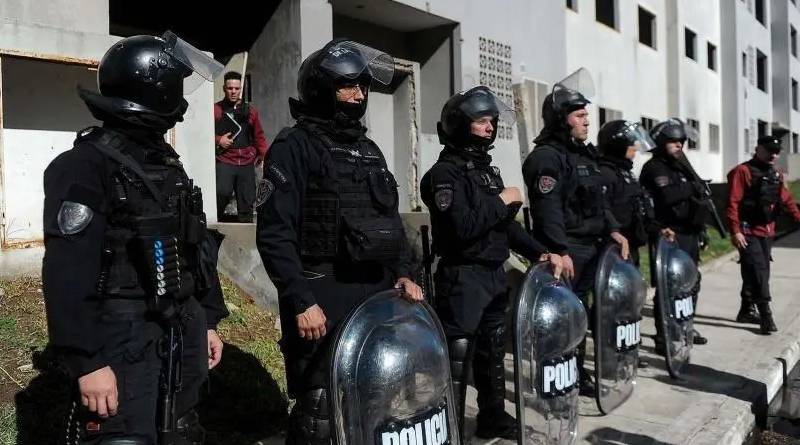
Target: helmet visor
x: 199, y: 64
x: 349, y: 60
x: 635, y: 134
x: 482, y: 102
x: 577, y: 87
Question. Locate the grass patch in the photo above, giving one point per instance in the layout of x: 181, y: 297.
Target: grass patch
x: 8, y: 425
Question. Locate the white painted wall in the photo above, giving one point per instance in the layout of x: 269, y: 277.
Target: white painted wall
x: 42, y: 112
x: 700, y: 87
x: 194, y: 141
x: 90, y: 16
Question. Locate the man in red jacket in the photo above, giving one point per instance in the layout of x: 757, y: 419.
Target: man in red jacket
x: 756, y: 193
x: 240, y: 148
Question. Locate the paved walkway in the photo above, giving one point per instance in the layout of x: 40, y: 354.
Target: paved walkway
x: 730, y: 379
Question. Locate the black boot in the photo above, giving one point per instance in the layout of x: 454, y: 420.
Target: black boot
x: 587, y: 384
x: 489, y: 374
x: 767, y: 323
x: 747, y: 313
x: 699, y: 339
x: 496, y: 424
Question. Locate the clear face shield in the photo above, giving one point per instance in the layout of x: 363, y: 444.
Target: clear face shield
x: 578, y: 85
x: 202, y: 67
x: 350, y: 60
x: 482, y: 103
x: 634, y: 134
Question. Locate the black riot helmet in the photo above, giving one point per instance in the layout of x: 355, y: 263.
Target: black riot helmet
x: 670, y: 130
x: 466, y: 107
x: 570, y: 94
x: 150, y: 75
x: 341, y: 63
x: 616, y: 136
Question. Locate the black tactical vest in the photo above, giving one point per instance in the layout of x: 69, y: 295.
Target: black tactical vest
x: 584, y: 214
x: 758, y: 205
x: 490, y: 249
x: 350, y: 208
x: 237, y: 122
x: 150, y: 196
x: 630, y: 205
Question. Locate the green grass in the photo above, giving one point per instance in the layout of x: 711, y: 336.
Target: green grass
x: 8, y: 425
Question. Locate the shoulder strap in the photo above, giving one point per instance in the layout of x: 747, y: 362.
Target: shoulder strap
x: 110, y: 144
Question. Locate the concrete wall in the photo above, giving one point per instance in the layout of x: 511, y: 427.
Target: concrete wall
x: 700, y: 87
x: 297, y: 28
x: 194, y: 141
x: 41, y: 113
x: 89, y: 16
x: 629, y: 77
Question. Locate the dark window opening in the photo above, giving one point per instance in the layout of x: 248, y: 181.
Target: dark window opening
x: 647, y: 28
x: 606, y: 12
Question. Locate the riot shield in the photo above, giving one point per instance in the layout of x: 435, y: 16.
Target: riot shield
x: 549, y: 323
x: 676, y: 275
x: 390, y: 376
x: 619, y: 292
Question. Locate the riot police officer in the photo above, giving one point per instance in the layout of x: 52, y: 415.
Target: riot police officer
x: 618, y: 142
x: 472, y: 219
x: 328, y: 230
x: 677, y: 198
x: 570, y: 213
x: 129, y: 268
x: 757, y: 193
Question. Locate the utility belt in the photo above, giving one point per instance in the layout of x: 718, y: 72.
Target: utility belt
x: 586, y: 240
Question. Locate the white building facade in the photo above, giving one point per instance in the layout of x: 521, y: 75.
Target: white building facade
x: 727, y: 67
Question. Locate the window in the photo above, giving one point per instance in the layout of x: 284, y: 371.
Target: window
x: 794, y: 96
x: 607, y: 115
x: 762, y: 129
x: 712, y: 57
x: 761, y: 71
x: 690, y: 41
x: 573, y: 5
x: 793, y: 40
x: 761, y: 12
x: 648, y: 123
x: 647, y: 28
x: 795, y: 143
x: 713, y: 138
x: 606, y: 12
x: 694, y: 143
x: 744, y: 64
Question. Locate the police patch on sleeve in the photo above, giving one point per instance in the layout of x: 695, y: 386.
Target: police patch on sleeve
x: 661, y: 181
x: 264, y: 191
x: 73, y: 217
x: 443, y: 196
x: 546, y: 184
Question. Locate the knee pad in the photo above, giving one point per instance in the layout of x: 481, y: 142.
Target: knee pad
x: 460, y: 350
x: 309, y: 422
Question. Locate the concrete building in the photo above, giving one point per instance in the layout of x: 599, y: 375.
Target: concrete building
x: 728, y: 67
x: 45, y: 52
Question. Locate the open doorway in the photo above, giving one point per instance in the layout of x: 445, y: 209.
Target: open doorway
x: 40, y: 112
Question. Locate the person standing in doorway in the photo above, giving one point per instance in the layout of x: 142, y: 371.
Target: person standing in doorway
x: 240, y: 149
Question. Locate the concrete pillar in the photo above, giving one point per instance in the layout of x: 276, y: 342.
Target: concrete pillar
x: 296, y: 29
